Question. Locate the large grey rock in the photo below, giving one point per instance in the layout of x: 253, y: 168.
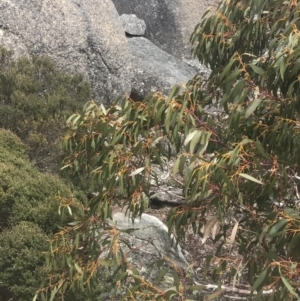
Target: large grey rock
x: 149, y: 237
x: 133, y: 25
x: 169, y: 22
x: 167, y: 196
x: 149, y: 242
x: 154, y: 69
x: 146, y: 242
x: 83, y: 36
x: 202, y: 70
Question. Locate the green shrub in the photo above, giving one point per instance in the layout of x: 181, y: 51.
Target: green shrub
x: 35, y: 98
x: 29, y: 202
x: 21, y: 261
x: 13, y: 144
x: 25, y: 193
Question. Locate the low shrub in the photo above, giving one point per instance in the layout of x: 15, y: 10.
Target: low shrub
x: 29, y: 202
x: 21, y: 261
x: 35, y: 98
x: 27, y: 194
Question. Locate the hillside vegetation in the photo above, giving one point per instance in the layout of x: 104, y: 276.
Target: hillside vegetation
x: 233, y: 140
x: 36, y: 99
x: 29, y: 217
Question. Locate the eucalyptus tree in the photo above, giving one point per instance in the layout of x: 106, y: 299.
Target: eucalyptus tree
x: 234, y: 141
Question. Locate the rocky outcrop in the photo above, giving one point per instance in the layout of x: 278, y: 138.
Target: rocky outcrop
x: 133, y: 25
x: 83, y: 36
x: 166, y: 197
x: 169, y: 23
x: 149, y: 239
x: 154, y: 69
x: 146, y: 243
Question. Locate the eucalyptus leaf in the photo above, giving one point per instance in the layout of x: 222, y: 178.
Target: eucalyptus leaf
x: 250, y: 178
x: 137, y: 171
x: 252, y: 107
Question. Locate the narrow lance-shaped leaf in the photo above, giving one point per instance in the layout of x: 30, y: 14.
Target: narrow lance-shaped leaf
x: 189, y: 137
x: 233, y: 234
x: 208, y: 227
x: 174, y: 92
x: 195, y: 141
x: 204, y: 143
x: 215, y: 230
x: 234, y: 75
x: 103, y: 109
x: 248, y: 177
x: 53, y: 293
x: 288, y: 285
x: 70, y: 210
x: 76, y: 119
x: 78, y: 269
x: 252, y: 107
x: 259, y: 282
x: 176, y: 166
x: 257, y: 69
x: 227, y: 68
x: 137, y: 171
x: 278, y: 226
x: 214, y: 295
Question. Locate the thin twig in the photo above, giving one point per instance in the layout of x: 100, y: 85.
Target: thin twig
x: 233, y: 289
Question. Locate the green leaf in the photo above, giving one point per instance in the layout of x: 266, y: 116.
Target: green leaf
x: 294, y: 243
x: 228, y: 67
x: 76, y: 119
x: 103, y: 109
x: 137, y: 171
x: 292, y: 213
x: 74, y: 223
x: 257, y: 69
x: 106, y: 263
x: 259, y: 282
x: 121, y: 276
x: 90, y: 106
x: 214, y: 295
x: 76, y: 243
x: 189, y: 137
x: 194, y: 141
x: 171, y: 292
x: 161, y: 274
x: 261, y: 150
x: 237, y: 91
x: 78, y: 269
x: 288, y: 286
x: 271, y: 256
x: 182, y: 164
x: 282, y: 67
x: 173, y: 92
x: 278, y: 226
x: 70, y: 210
x: 250, y: 178
x: 252, y: 107
x: 176, y: 166
x: 234, y: 75
x: 245, y: 141
x: 110, y: 162
x: 204, y: 143
x: 53, y: 293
